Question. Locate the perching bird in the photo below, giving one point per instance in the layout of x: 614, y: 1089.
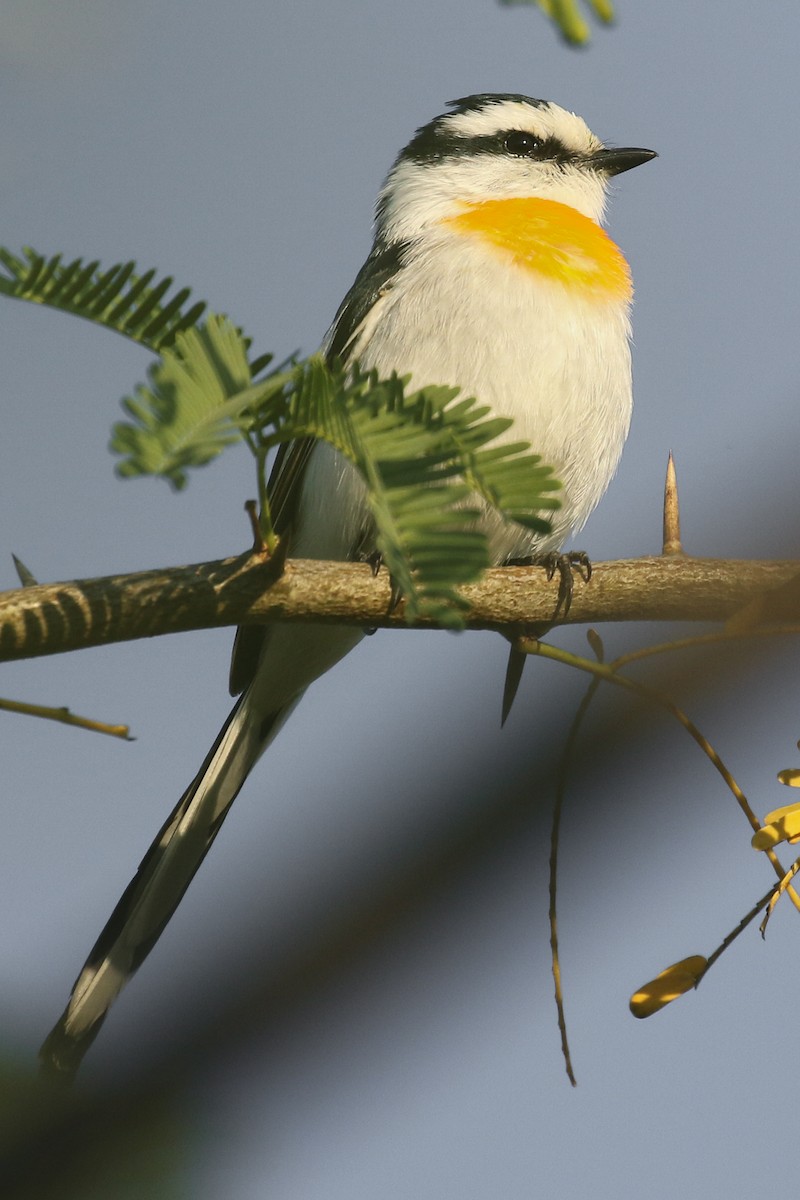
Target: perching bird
x: 489, y: 271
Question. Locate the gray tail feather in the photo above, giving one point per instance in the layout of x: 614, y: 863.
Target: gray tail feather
x: 158, y: 886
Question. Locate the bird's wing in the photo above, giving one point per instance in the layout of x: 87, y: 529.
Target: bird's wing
x: 384, y: 262
x: 286, y: 478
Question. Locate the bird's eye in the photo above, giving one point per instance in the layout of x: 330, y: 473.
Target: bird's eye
x: 524, y: 145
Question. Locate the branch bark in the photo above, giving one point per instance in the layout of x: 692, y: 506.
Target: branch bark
x: 249, y: 589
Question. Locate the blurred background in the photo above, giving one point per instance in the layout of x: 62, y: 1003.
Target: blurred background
x: 354, y: 999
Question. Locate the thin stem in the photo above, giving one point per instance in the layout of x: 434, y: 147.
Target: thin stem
x: 777, y: 893
x: 701, y: 639
x: 609, y: 673
x: 553, y: 883
x: 769, y: 898
x: 65, y: 717
x: 268, y: 534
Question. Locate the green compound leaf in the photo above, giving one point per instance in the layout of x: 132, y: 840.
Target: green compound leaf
x: 430, y: 460
x: 191, y: 407
x: 116, y: 298
x: 423, y: 457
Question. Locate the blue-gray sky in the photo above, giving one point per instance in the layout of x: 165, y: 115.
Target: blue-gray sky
x: 239, y: 147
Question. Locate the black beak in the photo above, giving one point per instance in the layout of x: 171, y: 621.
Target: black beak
x: 617, y: 160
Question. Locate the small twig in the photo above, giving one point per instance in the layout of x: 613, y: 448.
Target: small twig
x: 555, y: 827
x: 65, y: 717
x: 703, y: 639
x: 610, y: 673
x: 671, y: 543
x: 745, y: 921
x: 259, y: 545
x: 782, y: 887
x: 706, y: 640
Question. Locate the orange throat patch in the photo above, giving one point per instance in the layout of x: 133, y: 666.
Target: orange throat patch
x: 553, y: 239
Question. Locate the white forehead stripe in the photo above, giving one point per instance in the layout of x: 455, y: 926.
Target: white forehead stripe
x: 547, y: 121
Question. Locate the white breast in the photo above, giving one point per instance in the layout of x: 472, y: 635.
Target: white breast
x: 555, y: 361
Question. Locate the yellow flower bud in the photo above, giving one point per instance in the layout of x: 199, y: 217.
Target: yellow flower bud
x: 780, y: 825
x: 673, y: 982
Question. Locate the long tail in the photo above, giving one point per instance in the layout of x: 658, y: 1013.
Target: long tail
x: 155, y: 891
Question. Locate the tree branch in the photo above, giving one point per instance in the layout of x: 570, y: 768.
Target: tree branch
x: 251, y: 589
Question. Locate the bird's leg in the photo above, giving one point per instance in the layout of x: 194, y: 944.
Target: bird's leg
x: 564, y: 564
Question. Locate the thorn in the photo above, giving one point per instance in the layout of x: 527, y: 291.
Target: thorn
x: 516, y: 665
x: 672, y: 521
x: 25, y: 576
x: 596, y: 643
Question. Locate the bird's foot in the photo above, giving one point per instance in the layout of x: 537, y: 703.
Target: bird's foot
x: 564, y: 564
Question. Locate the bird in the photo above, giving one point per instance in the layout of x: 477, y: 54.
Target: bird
x: 491, y: 271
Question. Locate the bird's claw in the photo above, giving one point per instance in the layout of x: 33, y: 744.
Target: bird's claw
x: 564, y: 564
x: 374, y: 560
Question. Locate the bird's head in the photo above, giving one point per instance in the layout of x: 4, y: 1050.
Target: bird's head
x: 497, y: 147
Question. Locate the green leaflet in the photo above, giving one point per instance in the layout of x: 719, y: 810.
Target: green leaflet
x: 566, y: 15
x: 192, y: 406
x: 116, y: 298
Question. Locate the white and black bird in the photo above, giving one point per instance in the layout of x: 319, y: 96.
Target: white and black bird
x: 490, y: 271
